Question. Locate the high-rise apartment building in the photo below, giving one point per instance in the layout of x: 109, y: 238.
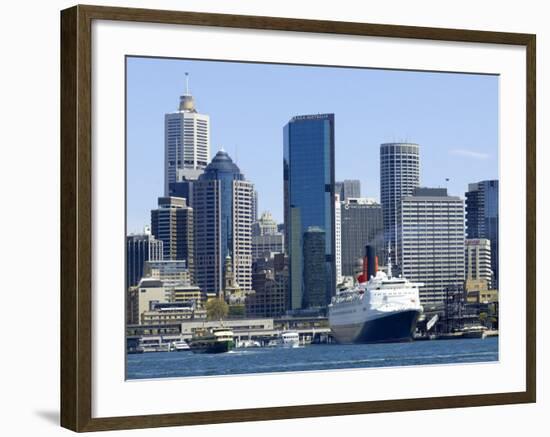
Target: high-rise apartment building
x: 478, y: 261
x: 172, y: 223
x: 482, y: 218
x: 399, y: 176
x: 361, y: 225
x: 223, y: 221
x: 308, y: 169
x: 431, y: 242
x: 186, y: 142
x: 139, y: 249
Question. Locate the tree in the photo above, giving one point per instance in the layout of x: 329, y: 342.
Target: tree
x: 483, y: 318
x: 216, y: 309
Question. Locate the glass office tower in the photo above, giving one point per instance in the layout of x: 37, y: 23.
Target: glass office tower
x: 309, y: 197
x: 482, y: 217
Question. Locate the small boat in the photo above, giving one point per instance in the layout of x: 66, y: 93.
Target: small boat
x: 475, y: 331
x: 247, y: 343
x: 288, y: 339
x: 180, y: 346
x: 215, y: 341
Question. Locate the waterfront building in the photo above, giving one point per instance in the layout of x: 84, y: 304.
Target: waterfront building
x: 316, y: 293
x: 186, y: 142
x: 308, y: 171
x: 139, y: 249
x: 172, y: 223
x: 338, y: 238
x: 172, y: 312
x: 362, y: 225
x: 171, y: 272
x: 223, y: 220
x: 482, y: 218
x: 478, y: 261
x: 239, y: 327
x: 348, y: 188
x: 399, y: 176
x: 431, y: 242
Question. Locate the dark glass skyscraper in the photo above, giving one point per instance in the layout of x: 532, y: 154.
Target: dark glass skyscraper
x: 308, y: 168
x: 223, y: 222
x: 482, y: 218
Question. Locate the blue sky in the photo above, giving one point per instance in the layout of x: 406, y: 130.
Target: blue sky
x: 454, y: 118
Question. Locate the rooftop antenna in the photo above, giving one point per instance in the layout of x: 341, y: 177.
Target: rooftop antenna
x: 186, y: 83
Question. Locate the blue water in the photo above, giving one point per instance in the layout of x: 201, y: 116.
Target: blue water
x: 314, y: 357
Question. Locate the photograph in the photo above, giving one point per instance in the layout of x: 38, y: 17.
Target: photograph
x: 298, y: 218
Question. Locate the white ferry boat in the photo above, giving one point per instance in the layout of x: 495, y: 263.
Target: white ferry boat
x: 384, y: 309
x: 286, y: 339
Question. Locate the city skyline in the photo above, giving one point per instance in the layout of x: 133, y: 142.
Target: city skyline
x: 471, y: 129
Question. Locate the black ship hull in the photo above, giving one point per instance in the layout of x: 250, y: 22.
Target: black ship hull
x: 210, y: 346
x: 396, y: 327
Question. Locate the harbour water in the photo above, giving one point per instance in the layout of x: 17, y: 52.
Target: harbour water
x: 312, y: 357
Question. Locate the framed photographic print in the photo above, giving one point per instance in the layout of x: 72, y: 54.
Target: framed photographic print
x: 268, y: 218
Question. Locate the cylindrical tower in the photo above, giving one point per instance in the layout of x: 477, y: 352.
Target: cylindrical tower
x: 399, y: 176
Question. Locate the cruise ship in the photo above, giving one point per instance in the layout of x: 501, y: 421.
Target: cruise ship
x: 382, y: 309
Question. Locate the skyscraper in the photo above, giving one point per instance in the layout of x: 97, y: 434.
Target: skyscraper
x: 399, y: 176
x: 172, y: 223
x: 338, y: 237
x: 186, y: 142
x: 254, y: 206
x: 308, y: 169
x: 316, y: 291
x: 431, y: 246
x: 223, y: 221
x: 361, y: 225
x: 139, y: 249
x: 482, y: 217
x: 478, y: 261
x: 348, y: 188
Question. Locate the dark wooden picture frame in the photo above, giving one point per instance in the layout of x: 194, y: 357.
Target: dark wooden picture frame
x: 76, y: 217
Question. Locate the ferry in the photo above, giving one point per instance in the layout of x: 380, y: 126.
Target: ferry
x: 381, y: 310
x: 214, y: 341
x: 288, y: 339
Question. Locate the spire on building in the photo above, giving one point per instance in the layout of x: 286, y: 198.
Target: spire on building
x: 187, y: 103
x: 187, y: 84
